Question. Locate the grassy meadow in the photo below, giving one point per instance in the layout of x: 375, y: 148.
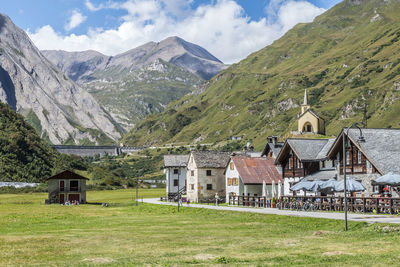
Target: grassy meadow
x: 123, y: 234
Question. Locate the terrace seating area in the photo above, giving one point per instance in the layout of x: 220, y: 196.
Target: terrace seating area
x: 378, y: 205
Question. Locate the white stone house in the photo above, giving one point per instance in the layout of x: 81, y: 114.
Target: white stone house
x: 244, y: 176
x: 206, y: 175
x: 175, y: 169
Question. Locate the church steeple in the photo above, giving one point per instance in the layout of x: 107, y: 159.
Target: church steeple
x: 305, y: 106
x: 305, y: 103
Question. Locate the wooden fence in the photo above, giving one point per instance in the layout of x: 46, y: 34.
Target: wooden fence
x: 332, y: 203
x: 354, y: 204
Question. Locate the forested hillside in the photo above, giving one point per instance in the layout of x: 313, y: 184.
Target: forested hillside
x: 24, y: 157
x: 348, y: 58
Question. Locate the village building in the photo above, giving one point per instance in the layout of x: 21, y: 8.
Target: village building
x: 300, y: 158
x: 245, y: 176
x: 376, y: 153
x: 175, y: 169
x: 66, y: 186
x: 272, y: 148
x: 309, y: 121
x: 206, y: 175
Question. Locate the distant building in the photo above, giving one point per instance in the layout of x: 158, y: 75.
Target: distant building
x: 175, y: 174
x: 272, y: 148
x: 245, y: 176
x: 309, y: 121
x: 206, y: 175
x: 65, y: 186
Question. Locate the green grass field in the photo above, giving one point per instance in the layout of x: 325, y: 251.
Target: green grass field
x: 123, y: 234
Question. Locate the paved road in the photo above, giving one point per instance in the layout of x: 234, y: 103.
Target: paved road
x: 370, y: 218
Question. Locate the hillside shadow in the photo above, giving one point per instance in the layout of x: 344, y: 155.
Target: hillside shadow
x: 8, y: 86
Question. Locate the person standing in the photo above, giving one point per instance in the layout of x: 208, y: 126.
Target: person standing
x: 216, y: 199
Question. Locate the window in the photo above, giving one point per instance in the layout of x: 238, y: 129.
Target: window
x: 230, y: 181
x: 333, y: 163
x: 208, y: 172
x: 232, y: 166
x: 176, y: 171
x: 323, y: 164
x: 359, y: 157
x: 62, y: 186
x: 73, y: 185
x: 236, y: 181
x: 176, y: 182
x: 347, y: 158
x: 192, y: 173
x: 290, y: 163
x: 191, y: 186
x: 209, y: 186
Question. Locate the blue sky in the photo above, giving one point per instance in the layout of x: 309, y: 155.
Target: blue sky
x: 229, y: 29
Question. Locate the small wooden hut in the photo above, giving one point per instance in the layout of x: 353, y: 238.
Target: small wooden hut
x: 66, y: 186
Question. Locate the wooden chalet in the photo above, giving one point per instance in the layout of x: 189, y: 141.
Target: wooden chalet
x: 376, y: 155
x: 303, y: 157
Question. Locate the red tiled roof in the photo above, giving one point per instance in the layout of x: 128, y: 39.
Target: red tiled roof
x: 257, y: 170
x: 67, y: 175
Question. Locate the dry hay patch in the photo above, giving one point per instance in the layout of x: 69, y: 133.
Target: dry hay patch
x: 204, y: 257
x: 98, y: 260
x: 287, y: 242
x: 336, y: 253
x: 322, y: 232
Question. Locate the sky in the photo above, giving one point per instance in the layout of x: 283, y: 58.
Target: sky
x: 229, y: 29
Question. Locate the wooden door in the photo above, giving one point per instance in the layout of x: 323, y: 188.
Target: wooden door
x: 62, y: 198
x: 72, y: 197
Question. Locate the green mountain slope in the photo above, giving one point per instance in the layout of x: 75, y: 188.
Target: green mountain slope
x: 24, y: 157
x: 347, y: 58
x: 131, y: 95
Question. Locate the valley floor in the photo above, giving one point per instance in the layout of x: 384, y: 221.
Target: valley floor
x: 32, y: 233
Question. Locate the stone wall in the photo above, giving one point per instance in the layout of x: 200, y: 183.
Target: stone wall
x: 84, y: 151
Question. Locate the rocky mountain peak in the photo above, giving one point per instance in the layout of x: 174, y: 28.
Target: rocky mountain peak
x: 58, y: 108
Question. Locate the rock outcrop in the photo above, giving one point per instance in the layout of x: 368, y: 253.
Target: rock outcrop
x: 56, y: 106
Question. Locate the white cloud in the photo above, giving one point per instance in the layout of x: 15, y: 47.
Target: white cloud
x: 75, y: 20
x: 221, y: 27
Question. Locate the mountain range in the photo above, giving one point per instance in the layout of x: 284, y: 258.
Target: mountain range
x: 58, y: 109
x: 89, y: 98
x: 140, y: 81
x: 348, y: 58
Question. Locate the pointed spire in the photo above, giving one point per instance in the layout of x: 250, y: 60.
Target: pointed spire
x: 305, y: 103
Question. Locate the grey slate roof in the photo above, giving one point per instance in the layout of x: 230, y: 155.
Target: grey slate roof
x: 271, y: 147
x: 381, y: 147
x: 324, y: 151
x: 175, y: 160
x: 211, y: 159
x: 310, y: 149
x: 323, y: 175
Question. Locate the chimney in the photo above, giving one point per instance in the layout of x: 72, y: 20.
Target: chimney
x: 269, y: 139
x: 274, y: 140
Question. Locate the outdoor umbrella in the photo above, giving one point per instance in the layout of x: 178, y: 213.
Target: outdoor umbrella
x: 264, y: 189
x: 330, y: 184
x: 389, y: 179
x: 316, y: 185
x: 351, y: 186
x: 273, y: 189
x: 302, y: 185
